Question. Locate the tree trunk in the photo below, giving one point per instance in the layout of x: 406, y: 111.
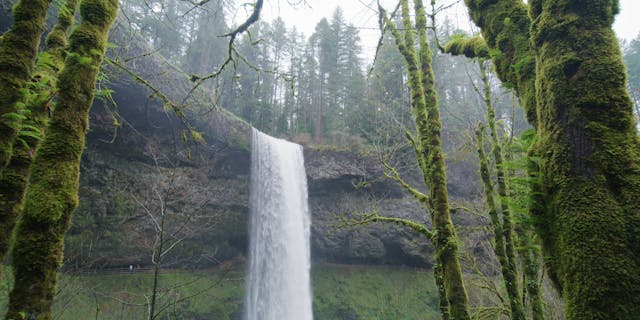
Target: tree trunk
x: 590, y: 169
x: 13, y: 179
x: 508, y: 262
x: 430, y: 157
x: 586, y: 202
x: 509, y: 271
x: 428, y: 123
x: 18, y: 50
x: 53, y: 186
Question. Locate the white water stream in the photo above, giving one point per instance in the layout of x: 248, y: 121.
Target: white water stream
x: 278, y: 284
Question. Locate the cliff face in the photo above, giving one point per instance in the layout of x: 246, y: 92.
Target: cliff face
x: 138, y: 172
x: 132, y: 179
x: 141, y: 179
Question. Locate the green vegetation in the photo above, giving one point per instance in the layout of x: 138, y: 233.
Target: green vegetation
x: 340, y: 292
x: 52, y: 195
x: 586, y: 202
x: 18, y: 50
x: 560, y: 57
x: 427, y: 144
x: 373, y: 293
x: 42, y: 90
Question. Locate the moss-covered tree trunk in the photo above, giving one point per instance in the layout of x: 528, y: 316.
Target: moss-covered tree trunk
x: 529, y: 254
x: 505, y: 27
x: 13, y: 179
x: 506, y: 246
x: 587, y: 203
x: 430, y: 156
x: 18, y: 50
x: 476, y: 48
x: 498, y: 234
x: 429, y: 125
x: 53, y: 185
x: 590, y: 170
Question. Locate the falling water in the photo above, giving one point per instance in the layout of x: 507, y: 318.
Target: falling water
x: 278, y: 286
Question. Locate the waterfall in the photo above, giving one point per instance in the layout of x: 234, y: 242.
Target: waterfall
x: 278, y: 284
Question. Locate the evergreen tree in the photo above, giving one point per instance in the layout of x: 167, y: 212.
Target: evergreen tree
x: 206, y: 52
x: 385, y: 109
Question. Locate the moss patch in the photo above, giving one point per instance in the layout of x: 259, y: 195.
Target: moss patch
x: 53, y: 185
x: 18, y: 50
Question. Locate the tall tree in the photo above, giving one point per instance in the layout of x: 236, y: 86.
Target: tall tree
x: 207, y: 50
x: 53, y: 185
x: 424, y: 106
x: 13, y: 179
x: 324, y: 40
x: 353, y: 85
x: 587, y: 206
x: 387, y: 98
x: 504, y: 247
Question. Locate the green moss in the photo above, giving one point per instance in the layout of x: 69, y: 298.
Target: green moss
x: 505, y: 28
x: 430, y: 157
x: 18, y: 51
x: 13, y: 179
x: 53, y: 191
x: 591, y: 167
x: 470, y: 47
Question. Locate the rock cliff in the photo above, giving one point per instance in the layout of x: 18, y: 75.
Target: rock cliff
x: 141, y: 178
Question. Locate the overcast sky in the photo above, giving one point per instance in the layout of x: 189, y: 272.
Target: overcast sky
x: 362, y: 14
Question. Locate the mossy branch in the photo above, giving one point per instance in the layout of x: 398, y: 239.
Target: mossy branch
x: 13, y: 179
x: 168, y: 104
x: 507, y: 267
x: 55, y: 173
x: 505, y: 26
x: 393, y: 174
x: 470, y: 47
x: 424, y: 107
x: 371, y: 217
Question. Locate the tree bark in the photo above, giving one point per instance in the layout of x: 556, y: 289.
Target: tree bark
x: 18, y: 50
x: 586, y: 204
x: 430, y: 157
x: 13, y: 179
x: 590, y: 169
x: 53, y: 185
